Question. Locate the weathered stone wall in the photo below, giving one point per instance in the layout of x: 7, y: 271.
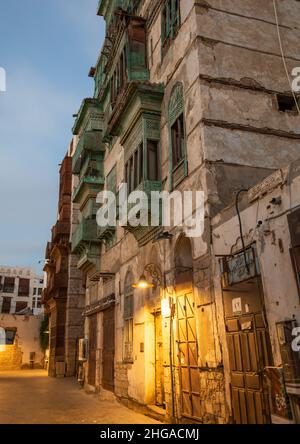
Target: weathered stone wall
x: 10, y: 358
x: 121, y: 380
x: 227, y: 57
x: 27, y: 341
x: 74, y: 314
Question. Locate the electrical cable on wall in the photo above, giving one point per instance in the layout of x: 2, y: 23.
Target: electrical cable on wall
x: 283, y: 56
x: 241, y: 227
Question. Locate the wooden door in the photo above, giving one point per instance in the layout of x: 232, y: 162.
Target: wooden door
x: 108, y: 366
x: 92, y: 350
x: 249, y: 351
x: 188, y: 357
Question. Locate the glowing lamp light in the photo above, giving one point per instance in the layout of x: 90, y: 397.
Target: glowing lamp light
x: 143, y: 284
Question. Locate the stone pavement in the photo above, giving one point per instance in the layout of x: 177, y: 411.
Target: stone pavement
x: 31, y: 397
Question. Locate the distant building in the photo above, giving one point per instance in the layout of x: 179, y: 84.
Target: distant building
x: 188, y: 97
x: 20, y: 346
x: 20, y: 291
x: 63, y: 295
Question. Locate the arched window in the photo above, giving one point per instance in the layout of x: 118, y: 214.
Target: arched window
x: 128, y: 317
x: 177, y: 134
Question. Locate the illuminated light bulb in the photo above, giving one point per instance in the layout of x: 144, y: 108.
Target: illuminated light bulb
x: 142, y: 283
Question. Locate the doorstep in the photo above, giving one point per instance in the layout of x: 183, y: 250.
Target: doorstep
x: 157, y: 413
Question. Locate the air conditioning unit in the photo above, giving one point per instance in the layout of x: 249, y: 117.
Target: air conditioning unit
x: 82, y: 350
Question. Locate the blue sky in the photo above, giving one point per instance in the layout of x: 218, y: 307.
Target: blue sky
x: 46, y: 48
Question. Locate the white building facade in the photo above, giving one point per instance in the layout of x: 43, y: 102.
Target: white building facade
x: 20, y: 290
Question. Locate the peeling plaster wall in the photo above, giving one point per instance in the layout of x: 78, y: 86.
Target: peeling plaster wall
x: 281, y: 295
x: 228, y: 58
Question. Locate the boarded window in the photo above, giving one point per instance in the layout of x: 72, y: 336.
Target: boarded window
x: 24, y: 286
x: 6, y: 305
x: 20, y: 306
x: 9, y: 285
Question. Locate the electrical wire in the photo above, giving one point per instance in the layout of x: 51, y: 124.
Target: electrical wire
x: 283, y: 56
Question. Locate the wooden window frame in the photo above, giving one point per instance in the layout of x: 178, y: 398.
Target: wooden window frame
x: 170, y: 23
x: 6, y: 303
x: 178, y: 141
x: 177, y: 137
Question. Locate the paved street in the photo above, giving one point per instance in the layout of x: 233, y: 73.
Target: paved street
x: 30, y: 397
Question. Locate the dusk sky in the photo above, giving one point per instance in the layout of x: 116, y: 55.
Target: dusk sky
x: 46, y: 48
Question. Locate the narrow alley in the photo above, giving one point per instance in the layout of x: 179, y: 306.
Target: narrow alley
x: 30, y: 397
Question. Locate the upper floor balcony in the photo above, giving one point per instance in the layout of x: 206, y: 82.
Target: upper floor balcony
x: 85, y: 234
x: 89, y: 143
x: 57, y: 283
x: 60, y: 230
x: 89, y: 117
x: 88, y: 188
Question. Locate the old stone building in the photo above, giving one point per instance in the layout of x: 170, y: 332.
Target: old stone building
x: 20, y: 346
x: 61, y: 296
x: 260, y: 305
x: 20, y: 290
x: 189, y: 95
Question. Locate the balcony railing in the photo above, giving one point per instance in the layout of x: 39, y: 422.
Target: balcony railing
x: 56, y: 282
x: 90, y: 141
x: 85, y: 232
x: 94, y: 183
x: 104, y: 233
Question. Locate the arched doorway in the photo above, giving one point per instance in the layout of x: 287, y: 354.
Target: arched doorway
x: 186, y: 340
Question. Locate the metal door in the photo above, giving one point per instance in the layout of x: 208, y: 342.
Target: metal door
x: 249, y: 351
x: 188, y: 357
x: 92, y: 350
x: 108, y: 368
x: 159, y: 362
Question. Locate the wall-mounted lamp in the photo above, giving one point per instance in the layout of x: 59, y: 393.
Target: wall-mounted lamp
x: 155, y: 273
x: 143, y: 284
